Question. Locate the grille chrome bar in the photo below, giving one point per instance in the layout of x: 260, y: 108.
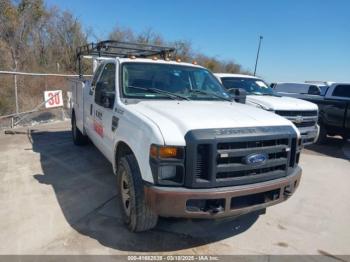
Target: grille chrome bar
x: 243, y: 167
x: 247, y: 151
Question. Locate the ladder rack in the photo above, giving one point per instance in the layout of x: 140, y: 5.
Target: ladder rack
x: 111, y: 48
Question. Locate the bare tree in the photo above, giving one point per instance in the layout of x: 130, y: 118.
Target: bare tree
x: 16, y: 23
x: 33, y: 38
x: 66, y: 35
x: 16, y: 26
x: 148, y: 36
x: 183, y: 50
x: 122, y: 34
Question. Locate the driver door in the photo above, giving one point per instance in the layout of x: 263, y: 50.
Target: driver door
x: 104, y: 97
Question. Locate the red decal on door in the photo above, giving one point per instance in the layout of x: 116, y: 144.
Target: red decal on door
x: 98, y: 128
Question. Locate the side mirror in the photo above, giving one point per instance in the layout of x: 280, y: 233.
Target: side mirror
x: 314, y: 90
x: 98, y: 92
x: 104, y: 97
x: 239, y: 95
x: 107, y: 99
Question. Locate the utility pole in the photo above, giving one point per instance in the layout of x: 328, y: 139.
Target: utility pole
x: 257, y: 55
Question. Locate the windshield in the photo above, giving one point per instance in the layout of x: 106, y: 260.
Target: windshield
x: 168, y: 81
x: 251, y: 85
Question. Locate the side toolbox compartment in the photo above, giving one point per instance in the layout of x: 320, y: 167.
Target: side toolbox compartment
x: 77, y: 87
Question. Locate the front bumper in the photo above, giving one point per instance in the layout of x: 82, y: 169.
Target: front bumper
x: 309, y: 135
x: 233, y: 201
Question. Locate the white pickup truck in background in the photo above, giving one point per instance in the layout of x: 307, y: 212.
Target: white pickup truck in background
x: 302, y: 113
x: 178, y: 144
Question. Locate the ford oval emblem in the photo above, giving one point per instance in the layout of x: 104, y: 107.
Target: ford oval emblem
x: 256, y: 159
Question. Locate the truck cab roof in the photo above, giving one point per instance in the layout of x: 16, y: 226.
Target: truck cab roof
x: 150, y: 60
x: 220, y: 75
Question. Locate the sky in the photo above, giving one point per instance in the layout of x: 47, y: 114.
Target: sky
x: 302, y: 40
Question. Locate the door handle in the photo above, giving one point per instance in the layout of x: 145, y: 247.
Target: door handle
x: 90, y: 109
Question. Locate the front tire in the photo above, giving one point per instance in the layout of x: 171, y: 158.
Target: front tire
x: 137, y: 215
x: 78, y: 138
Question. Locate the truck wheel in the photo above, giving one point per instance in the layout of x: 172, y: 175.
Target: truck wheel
x: 136, y: 214
x: 322, y: 138
x: 78, y: 138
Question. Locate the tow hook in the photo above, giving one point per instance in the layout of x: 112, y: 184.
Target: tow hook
x: 215, y: 210
x: 288, y: 191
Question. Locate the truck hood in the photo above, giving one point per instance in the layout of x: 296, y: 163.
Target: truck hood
x: 176, y: 118
x: 280, y: 103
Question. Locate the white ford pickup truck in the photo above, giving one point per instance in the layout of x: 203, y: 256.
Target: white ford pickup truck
x: 177, y: 143
x: 303, y: 114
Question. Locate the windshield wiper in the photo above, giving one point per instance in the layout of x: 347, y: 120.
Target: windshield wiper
x: 159, y: 91
x: 196, y: 91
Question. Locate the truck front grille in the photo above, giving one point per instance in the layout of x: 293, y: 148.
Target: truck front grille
x: 305, y: 124
x: 296, y: 113
x: 221, y: 161
x: 301, y: 119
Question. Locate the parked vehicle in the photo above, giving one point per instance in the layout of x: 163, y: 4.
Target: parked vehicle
x: 297, y: 90
x: 303, y: 114
x: 333, y: 100
x: 178, y: 144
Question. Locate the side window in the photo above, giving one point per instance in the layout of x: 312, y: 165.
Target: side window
x: 302, y: 89
x: 96, y: 75
x: 94, y: 79
x: 105, y: 84
x: 314, y: 90
x: 342, y: 91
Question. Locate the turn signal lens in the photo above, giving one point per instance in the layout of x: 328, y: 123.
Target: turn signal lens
x: 165, y: 152
x: 168, y: 152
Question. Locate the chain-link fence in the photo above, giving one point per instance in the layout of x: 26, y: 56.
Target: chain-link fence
x: 22, y: 98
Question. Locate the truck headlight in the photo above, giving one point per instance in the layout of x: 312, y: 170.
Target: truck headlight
x: 167, y: 164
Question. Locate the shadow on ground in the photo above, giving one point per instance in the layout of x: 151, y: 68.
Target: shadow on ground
x: 333, y: 147
x: 84, y: 185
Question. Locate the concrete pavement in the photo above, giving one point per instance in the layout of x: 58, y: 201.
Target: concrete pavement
x: 57, y: 198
